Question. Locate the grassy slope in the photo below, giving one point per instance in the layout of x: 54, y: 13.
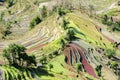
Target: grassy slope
x: 91, y: 35
x: 89, y: 30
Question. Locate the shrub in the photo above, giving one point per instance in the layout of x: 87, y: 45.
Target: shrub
x: 110, y: 53
x: 113, y: 64
x: 34, y: 22
x: 62, y: 11
x: 16, y: 56
x: 50, y: 66
x: 98, y: 69
x: 55, y: 53
x: 10, y: 3
x: 78, y: 67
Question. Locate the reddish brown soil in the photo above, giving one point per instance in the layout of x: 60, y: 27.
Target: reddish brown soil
x: 35, y: 48
x: 70, y: 51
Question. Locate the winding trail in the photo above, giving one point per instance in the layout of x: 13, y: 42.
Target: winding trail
x: 107, y: 8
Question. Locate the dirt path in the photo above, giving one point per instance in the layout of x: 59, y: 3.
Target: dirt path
x: 107, y: 8
x: 111, y: 76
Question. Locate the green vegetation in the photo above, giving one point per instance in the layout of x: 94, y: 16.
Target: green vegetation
x: 60, y: 24
x: 79, y: 67
x: 98, y: 70
x: 36, y: 20
x: 50, y: 66
x: 110, y: 53
x: 109, y: 21
x: 10, y: 3
x: 113, y: 64
x: 17, y: 57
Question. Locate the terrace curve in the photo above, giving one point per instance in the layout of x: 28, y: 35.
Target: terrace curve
x: 75, y: 53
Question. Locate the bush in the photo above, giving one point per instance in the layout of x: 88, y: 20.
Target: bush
x: 62, y: 11
x: 78, y: 67
x: 34, y: 22
x: 113, y: 64
x: 50, y: 66
x: 10, y: 3
x: 110, y: 53
x: 55, y: 53
x: 98, y: 69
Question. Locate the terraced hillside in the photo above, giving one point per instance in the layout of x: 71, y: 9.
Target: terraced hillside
x: 69, y: 43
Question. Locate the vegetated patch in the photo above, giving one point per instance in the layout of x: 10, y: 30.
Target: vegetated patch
x: 36, y: 20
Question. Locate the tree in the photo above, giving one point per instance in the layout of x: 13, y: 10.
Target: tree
x: 36, y: 20
x: 114, y: 64
x: 50, y: 66
x: 62, y: 42
x: 61, y: 12
x: 98, y: 69
x: 55, y: 53
x: 110, y: 53
x: 78, y: 67
x: 65, y: 24
x: 105, y: 19
x: 16, y: 56
x: 70, y: 35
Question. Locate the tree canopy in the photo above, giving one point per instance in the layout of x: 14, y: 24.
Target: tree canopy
x: 16, y: 56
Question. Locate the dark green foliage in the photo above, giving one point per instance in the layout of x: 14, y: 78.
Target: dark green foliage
x: 110, y: 53
x: 62, y: 42
x: 55, y: 53
x: 98, y: 69
x: 34, y: 22
x: 62, y: 11
x: 78, y: 67
x: 70, y: 35
x: 113, y: 64
x: 65, y: 24
x: 16, y: 56
x: 50, y: 56
x: 70, y: 31
x: 43, y: 59
x: 115, y: 26
x: 7, y: 32
x: 105, y: 19
x: 10, y: 3
x: 50, y: 66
